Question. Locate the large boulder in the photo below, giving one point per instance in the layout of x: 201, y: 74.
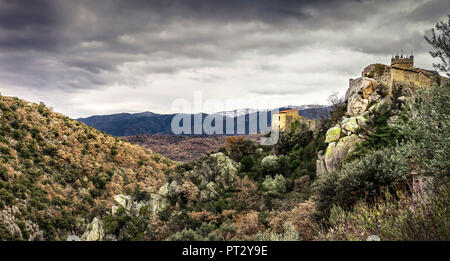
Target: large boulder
x: 351, y: 125
x: 336, y: 152
x: 329, y: 156
x: 363, y: 86
x: 333, y: 134
x: 363, y: 122
x: 357, y: 105
x: 216, y: 168
x: 158, y: 203
x: 124, y: 201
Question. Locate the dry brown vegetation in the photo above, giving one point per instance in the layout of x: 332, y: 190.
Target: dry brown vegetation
x: 50, y: 158
x: 182, y: 148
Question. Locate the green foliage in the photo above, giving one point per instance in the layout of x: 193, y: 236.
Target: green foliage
x: 395, y: 217
x: 298, y: 136
x: 276, y: 185
x: 365, y: 177
x: 270, y: 164
x: 247, y: 163
x: 440, y: 40
x: 425, y: 133
x: 289, y: 234
x: 428, y: 128
x: 238, y: 147
x: 384, y: 135
x: 206, y: 232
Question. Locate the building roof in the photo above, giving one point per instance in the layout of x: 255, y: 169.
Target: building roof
x: 285, y: 111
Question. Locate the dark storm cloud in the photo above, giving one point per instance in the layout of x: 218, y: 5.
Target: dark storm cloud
x: 31, y: 24
x: 84, y: 44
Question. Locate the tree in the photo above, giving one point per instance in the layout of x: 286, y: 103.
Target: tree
x: 238, y: 147
x: 335, y: 100
x: 440, y: 40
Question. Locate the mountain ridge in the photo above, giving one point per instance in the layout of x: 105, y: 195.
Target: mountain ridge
x: 149, y: 123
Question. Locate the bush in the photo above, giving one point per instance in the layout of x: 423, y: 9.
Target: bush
x: 289, y: 234
x: 206, y: 232
x: 298, y: 136
x: 276, y: 185
x: 365, y: 177
x: 238, y: 147
x: 247, y: 163
x: 270, y: 164
x: 395, y: 217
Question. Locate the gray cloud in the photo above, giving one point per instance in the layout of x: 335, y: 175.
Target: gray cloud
x: 82, y: 46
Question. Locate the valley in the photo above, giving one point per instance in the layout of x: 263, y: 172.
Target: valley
x: 183, y: 148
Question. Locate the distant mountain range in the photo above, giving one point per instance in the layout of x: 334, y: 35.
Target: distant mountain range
x: 131, y: 124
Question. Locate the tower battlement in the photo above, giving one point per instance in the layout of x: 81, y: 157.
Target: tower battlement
x: 402, y: 62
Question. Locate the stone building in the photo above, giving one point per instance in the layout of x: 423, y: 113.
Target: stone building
x: 283, y: 119
x: 379, y: 87
x: 403, y: 73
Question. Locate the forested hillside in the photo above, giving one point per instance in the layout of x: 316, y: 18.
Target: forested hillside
x: 56, y: 174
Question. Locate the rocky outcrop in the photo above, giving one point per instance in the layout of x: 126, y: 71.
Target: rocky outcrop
x: 336, y: 152
x: 350, y: 124
x: 365, y: 96
x: 94, y: 231
x: 333, y: 135
x: 128, y: 204
x: 215, y: 173
x: 357, y: 105
x: 29, y: 231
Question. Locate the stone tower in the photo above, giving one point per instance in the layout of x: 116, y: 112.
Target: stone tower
x: 402, y: 62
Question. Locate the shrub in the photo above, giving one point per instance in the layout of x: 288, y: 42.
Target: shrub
x: 246, y: 196
x: 270, y: 164
x: 4, y: 173
x: 238, y: 147
x: 276, y: 185
x: 395, y: 217
x: 247, y: 163
x: 289, y: 234
x: 298, y: 136
x: 365, y: 177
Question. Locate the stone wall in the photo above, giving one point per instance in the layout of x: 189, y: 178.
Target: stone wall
x: 413, y: 78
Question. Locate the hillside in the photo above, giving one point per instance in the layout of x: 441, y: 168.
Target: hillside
x: 377, y: 166
x: 126, y: 124
x: 183, y: 148
x: 56, y: 174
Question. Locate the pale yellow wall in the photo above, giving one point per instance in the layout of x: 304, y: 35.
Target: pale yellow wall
x: 410, y: 78
x: 282, y: 121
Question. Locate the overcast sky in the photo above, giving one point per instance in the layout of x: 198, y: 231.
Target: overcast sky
x: 100, y: 57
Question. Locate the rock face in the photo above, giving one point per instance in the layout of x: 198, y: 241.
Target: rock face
x: 336, y: 152
x: 216, y: 172
x: 128, y: 204
x: 123, y: 200
x: 94, y: 231
x: 321, y: 169
x: 333, y: 134
x: 8, y: 220
x: 351, y: 125
x: 365, y: 96
x: 357, y: 105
